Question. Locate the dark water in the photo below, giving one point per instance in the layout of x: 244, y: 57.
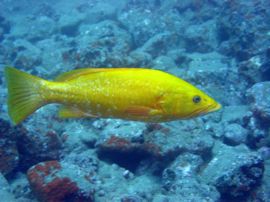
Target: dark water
x: 221, y: 47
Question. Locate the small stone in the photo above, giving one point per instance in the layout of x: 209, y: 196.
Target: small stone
x: 127, y: 174
x: 101, y: 193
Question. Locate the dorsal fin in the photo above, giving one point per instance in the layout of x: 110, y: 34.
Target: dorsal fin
x: 79, y: 72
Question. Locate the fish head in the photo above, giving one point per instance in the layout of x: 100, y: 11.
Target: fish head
x: 191, y: 102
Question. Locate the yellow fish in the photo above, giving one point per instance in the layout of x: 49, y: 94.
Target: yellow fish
x: 127, y: 93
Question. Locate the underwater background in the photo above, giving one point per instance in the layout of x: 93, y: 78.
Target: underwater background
x: 220, y: 46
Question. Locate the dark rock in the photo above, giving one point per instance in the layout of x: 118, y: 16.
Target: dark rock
x: 4, y: 27
x: 234, y: 171
x: 238, y: 26
x: 259, y: 96
x: 37, y: 146
x: 54, y: 181
x: 9, y: 157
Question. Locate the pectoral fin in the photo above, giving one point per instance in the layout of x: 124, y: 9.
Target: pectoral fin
x: 142, y: 111
x: 72, y: 112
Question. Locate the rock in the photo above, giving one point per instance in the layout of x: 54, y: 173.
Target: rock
x: 185, y: 165
x: 42, y: 27
x: 20, y: 187
x: 37, y: 146
x: 197, y: 41
x: 5, y: 191
x: 4, y: 27
x: 235, y: 134
x: 263, y: 193
x: 210, y: 67
x: 259, y: 134
x: 131, y: 198
x: 159, y: 44
x: 144, y: 24
x: 180, y: 57
x: 238, y: 32
x: 103, y: 44
x: 179, y: 179
x: 235, y: 114
x: 251, y: 69
x: 69, y: 25
x: 234, y: 171
x: 207, y: 71
x: 9, y: 157
x: 139, y: 59
x: 27, y: 54
x: 163, y: 63
x: 54, y: 181
x: 163, y: 142
x: 140, y: 188
x: 264, y: 153
x: 259, y: 96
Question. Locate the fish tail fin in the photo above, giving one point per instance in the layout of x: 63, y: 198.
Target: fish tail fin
x: 23, y: 94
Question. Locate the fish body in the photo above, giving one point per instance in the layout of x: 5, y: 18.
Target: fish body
x: 127, y: 93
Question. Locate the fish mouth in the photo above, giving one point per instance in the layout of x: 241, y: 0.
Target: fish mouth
x: 209, y: 108
x: 213, y: 107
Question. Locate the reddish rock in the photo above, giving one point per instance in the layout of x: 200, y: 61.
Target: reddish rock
x: 119, y: 144
x: 52, y: 181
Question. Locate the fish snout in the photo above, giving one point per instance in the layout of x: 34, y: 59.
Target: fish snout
x: 214, y: 107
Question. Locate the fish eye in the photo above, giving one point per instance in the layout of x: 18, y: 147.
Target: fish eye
x: 196, y: 99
